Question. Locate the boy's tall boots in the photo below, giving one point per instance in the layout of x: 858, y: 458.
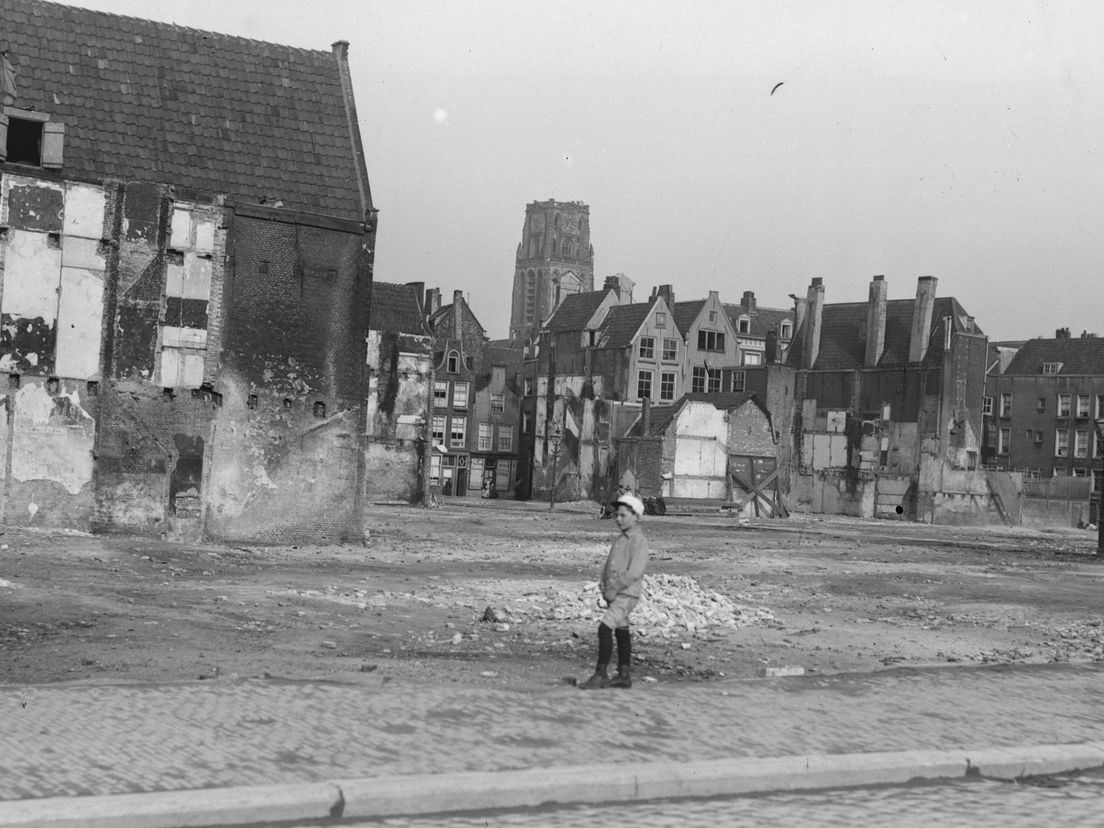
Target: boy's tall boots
x: 623, y: 679
x: 600, y: 678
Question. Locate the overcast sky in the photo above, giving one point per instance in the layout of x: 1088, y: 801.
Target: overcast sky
x: 957, y: 139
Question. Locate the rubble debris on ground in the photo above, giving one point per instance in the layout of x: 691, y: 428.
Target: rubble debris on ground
x: 672, y: 605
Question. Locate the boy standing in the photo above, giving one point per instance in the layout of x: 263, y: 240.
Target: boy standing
x: 621, y: 584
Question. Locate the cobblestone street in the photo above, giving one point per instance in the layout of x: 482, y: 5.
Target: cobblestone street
x: 62, y: 740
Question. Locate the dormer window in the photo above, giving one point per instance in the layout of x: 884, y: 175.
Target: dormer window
x: 453, y: 366
x: 31, y: 138
x: 784, y: 331
x: 745, y: 325
x: 1052, y: 367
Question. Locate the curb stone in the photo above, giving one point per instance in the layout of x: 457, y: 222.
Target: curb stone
x: 392, y: 796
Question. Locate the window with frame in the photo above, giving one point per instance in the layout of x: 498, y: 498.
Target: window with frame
x: 1040, y: 404
x: 528, y: 387
x: 437, y: 430
x: 31, y: 138
x: 505, y: 438
x: 670, y: 350
x: 990, y: 437
x: 1061, y: 471
x: 712, y: 316
x: 453, y: 362
x: 739, y: 380
x: 486, y: 436
x: 711, y: 341
x: 1099, y: 406
x: 647, y: 347
x: 667, y: 386
x: 987, y: 405
x: 705, y: 380
x: 1004, y: 441
x: 785, y: 331
x: 1081, y: 444
x: 751, y: 358
x: 440, y: 393
x: 435, y: 468
x: 1064, y: 403
x: 1082, y: 405
x: 1080, y: 472
x: 498, y: 403
x: 1052, y: 367
x: 1006, y: 404
x: 526, y: 422
x: 644, y: 385
x: 661, y: 320
x: 458, y: 432
x: 1061, y: 443
x: 745, y: 326
x: 460, y: 395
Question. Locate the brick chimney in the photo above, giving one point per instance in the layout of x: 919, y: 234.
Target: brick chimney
x: 875, y: 321
x: 668, y: 294
x: 457, y: 311
x: 814, y: 316
x: 770, y: 355
x: 922, y: 310
x: 748, y: 302
x: 1062, y: 333
x: 432, y: 301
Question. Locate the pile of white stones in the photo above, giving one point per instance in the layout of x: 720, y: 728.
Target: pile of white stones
x: 672, y: 605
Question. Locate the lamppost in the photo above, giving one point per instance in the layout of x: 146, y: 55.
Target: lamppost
x: 554, y: 438
x: 1099, y: 423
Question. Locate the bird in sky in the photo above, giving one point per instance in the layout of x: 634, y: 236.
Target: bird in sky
x: 776, y: 87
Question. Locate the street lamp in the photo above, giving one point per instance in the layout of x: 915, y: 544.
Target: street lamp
x: 1099, y: 423
x: 554, y: 437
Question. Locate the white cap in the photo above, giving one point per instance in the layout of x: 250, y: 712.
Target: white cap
x: 633, y: 502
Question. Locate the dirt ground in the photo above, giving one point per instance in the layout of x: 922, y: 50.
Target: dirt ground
x: 840, y: 595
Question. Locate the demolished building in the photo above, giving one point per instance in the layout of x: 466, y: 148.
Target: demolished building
x: 186, y: 246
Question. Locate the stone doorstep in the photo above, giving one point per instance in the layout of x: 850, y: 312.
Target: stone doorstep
x: 458, y: 792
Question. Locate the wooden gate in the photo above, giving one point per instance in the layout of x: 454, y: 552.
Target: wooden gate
x: 755, y: 480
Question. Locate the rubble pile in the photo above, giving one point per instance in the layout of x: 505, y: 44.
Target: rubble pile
x: 672, y: 605
x: 1080, y: 641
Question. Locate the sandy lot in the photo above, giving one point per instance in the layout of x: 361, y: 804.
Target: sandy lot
x: 826, y: 595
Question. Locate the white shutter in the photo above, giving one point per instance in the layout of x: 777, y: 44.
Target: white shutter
x: 53, y: 144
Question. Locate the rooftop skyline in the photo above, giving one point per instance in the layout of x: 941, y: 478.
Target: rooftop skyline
x: 956, y: 140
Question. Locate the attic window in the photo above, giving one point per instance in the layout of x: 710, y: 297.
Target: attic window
x: 1052, y: 367
x: 745, y: 325
x: 31, y: 138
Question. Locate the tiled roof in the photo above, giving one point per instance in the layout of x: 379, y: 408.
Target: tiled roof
x: 445, y: 313
x: 1078, y: 356
x: 148, y: 101
x: 685, y: 313
x: 575, y: 311
x: 395, y: 308
x: 843, y: 334
x: 658, y: 419
x: 726, y: 401
x: 507, y: 352
x: 622, y: 323
x: 761, y: 319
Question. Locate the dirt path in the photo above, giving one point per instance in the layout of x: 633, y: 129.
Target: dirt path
x: 831, y: 596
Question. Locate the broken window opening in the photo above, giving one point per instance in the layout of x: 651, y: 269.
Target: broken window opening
x: 52, y: 385
x: 320, y: 410
x: 93, y: 388
x: 251, y: 403
x: 168, y: 394
x: 24, y: 141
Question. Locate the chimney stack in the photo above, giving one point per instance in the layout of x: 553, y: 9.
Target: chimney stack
x: 814, y: 316
x: 1062, y: 333
x: 432, y: 301
x: 771, y: 354
x: 457, y: 310
x: 922, y: 310
x: 748, y: 302
x: 876, y: 322
x: 668, y: 294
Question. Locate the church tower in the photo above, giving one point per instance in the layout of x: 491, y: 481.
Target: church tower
x: 555, y: 258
